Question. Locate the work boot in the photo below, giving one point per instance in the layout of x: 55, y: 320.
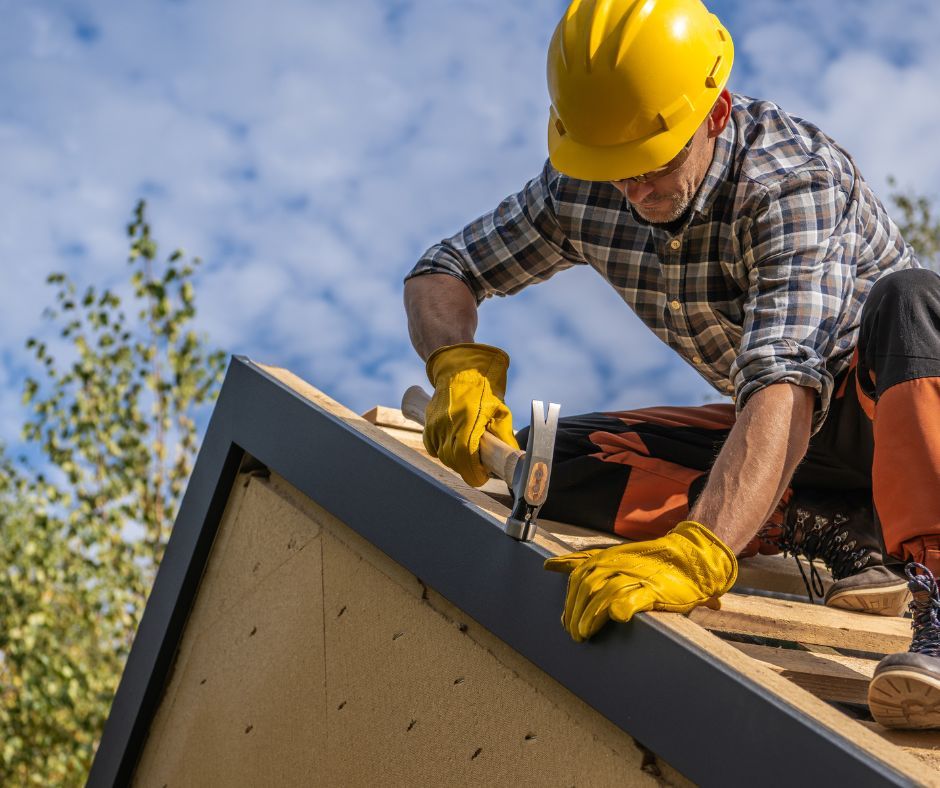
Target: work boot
x: 839, y: 529
x: 905, y: 690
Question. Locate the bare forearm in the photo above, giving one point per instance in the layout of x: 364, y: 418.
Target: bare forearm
x: 755, y: 465
x: 441, y: 311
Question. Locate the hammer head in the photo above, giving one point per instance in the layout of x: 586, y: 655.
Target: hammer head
x: 530, y: 481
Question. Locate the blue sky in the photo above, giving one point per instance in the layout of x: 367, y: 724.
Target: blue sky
x: 309, y: 151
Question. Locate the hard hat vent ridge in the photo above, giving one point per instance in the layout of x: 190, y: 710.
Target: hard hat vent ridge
x: 601, y: 25
x: 635, y: 19
x: 600, y: 31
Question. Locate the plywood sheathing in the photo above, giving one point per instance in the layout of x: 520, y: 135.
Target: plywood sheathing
x: 923, y: 745
x: 446, y: 698
x: 247, y: 694
x: 312, y: 658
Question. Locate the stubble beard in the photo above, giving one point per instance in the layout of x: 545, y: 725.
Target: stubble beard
x: 677, y: 204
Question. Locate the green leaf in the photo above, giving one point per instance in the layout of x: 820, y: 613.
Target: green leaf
x: 72, y: 587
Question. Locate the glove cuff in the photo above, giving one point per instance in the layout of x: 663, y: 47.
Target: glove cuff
x: 489, y: 361
x: 705, y: 540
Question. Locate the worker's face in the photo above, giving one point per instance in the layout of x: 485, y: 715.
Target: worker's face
x: 665, y: 198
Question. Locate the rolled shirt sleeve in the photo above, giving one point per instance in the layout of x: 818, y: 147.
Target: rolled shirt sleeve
x: 517, y: 244
x: 799, y: 282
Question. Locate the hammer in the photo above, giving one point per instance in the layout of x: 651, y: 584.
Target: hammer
x: 527, y: 473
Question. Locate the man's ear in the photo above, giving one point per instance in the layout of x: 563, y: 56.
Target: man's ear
x: 720, y: 114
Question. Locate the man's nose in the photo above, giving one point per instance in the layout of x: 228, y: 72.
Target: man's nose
x: 634, y: 192
x: 637, y: 192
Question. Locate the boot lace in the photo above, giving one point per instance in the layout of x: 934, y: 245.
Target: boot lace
x: 824, y: 539
x: 925, y: 608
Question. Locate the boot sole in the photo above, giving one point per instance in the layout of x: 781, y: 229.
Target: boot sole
x: 905, y: 698
x: 884, y: 601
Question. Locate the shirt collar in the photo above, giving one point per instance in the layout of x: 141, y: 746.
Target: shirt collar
x: 717, y: 171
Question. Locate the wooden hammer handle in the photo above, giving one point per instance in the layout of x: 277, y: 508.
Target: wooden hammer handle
x: 497, y: 457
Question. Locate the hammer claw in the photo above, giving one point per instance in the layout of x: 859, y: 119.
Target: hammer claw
x: 533, y: 470
x: 530, y: 481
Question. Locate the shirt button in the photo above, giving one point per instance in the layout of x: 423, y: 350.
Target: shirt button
x: 675, y: 244
x: 676, y: 306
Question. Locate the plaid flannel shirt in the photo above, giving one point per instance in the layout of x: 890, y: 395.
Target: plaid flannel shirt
x: 762, y: 283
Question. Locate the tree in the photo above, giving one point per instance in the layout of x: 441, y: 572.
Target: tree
x: 918, y: 224
x: 81, y: 539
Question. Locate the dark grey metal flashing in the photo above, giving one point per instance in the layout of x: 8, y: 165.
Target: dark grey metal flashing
x: 711, y: 723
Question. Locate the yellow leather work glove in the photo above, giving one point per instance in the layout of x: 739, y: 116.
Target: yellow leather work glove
x: 687, y: 567
x: 469, y: 386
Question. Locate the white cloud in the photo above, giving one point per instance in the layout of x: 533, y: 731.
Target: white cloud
x: 309, y: 152
x: 865, y: 72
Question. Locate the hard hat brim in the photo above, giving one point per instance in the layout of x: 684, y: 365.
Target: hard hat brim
x: 616, y: 162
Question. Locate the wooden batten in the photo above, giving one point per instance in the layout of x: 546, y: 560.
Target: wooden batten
x: 800, y: 622
x: 391, y: 418
x: 831, y: 676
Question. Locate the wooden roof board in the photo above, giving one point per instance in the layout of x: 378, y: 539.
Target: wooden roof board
x: 663, y: 679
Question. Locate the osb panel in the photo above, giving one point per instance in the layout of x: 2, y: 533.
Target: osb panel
x: 428, y: 705
x: 246, y: 700
x: 267, y: 531
x: 330, y: 664
x: 923, y: 745
x: 160, y: 721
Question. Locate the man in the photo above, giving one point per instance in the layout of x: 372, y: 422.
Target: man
x: 747, y: 240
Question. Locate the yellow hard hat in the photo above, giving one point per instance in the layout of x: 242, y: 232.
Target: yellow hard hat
x: 630, y: 82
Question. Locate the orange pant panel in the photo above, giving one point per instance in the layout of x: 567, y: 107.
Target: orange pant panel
x: 657, y: 495
x: 907, y: 466
x: 708, y: 417
x: 925, y: 550
x: 654, y: 501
